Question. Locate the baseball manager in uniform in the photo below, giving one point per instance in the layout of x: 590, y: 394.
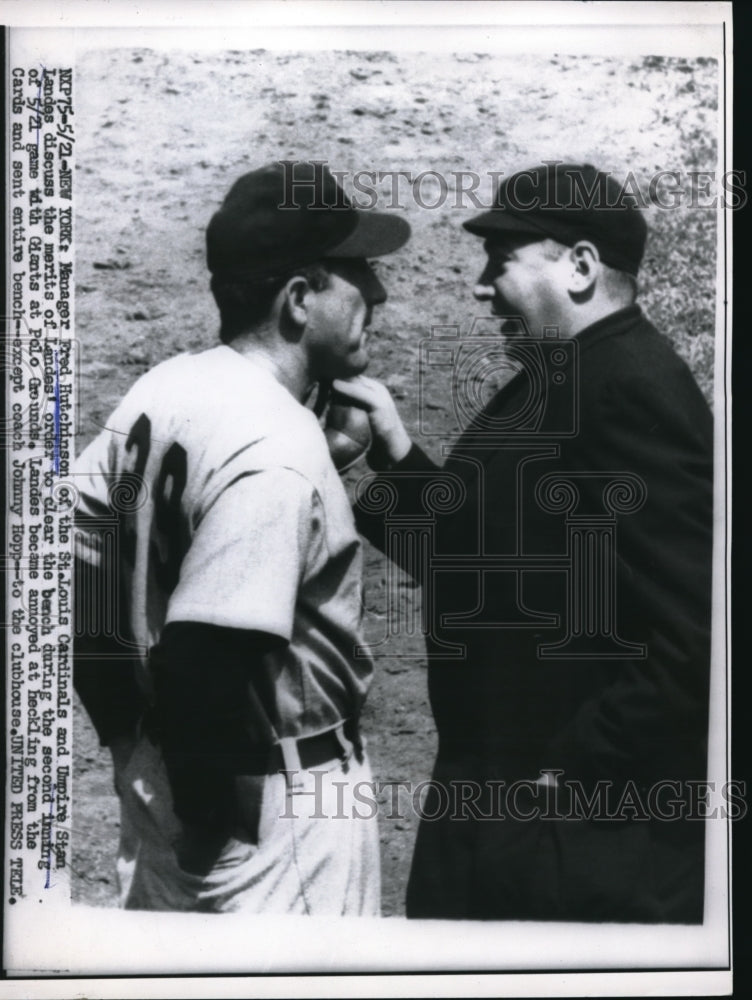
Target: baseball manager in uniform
x: 213, y: 520
x: 575, y: 574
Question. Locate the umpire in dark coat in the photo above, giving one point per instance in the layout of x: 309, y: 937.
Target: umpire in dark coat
x: 567, y: 590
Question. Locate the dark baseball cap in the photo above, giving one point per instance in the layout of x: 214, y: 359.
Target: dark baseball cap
x: 569, y: 202
x: 292, y: 213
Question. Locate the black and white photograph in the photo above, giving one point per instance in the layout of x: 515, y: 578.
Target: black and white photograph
x: 367, y: 460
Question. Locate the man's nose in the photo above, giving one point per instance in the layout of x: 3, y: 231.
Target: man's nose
x: 483, y: 291
x: 375, y: 293
x: 484, y: 287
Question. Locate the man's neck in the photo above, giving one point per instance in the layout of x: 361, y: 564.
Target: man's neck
x: 281, y: 360
x: 584, y: 315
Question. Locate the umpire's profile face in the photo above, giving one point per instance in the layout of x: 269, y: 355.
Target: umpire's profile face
x: 337, y: 318
x: 521, y: 278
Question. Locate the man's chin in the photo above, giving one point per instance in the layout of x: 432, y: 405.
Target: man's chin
x: 512, y: 327
x: 356, y: 365
x: 361, y: 358
x: 509, y: 323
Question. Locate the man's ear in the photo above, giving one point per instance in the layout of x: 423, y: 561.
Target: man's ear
x: 295, y: 299
x: 585, y: 267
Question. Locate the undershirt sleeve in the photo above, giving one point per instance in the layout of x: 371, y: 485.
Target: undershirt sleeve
x: 248, y: 555
x: 210, y: 715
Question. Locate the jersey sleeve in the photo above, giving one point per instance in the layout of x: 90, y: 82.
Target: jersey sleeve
x: 248, y: 554
x: 94, y: 474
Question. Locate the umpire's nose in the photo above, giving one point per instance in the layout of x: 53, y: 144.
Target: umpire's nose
x: 484, y: 288
x: 483, y: 293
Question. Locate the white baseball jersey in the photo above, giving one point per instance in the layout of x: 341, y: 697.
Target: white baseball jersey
x: 228, y: 511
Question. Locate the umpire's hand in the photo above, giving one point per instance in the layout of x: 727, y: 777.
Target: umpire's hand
x: 389, y: 435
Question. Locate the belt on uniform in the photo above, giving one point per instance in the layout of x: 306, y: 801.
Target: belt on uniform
x: 293, y: 754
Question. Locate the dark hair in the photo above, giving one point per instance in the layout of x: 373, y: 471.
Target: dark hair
x: 243, y: 303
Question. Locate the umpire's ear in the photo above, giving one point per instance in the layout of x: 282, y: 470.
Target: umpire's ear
x: 584, y: 268
x: 296, y: 299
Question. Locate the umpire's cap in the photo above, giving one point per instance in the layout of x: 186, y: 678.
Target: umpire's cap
x: 569, y: 202
x: 289, y: 214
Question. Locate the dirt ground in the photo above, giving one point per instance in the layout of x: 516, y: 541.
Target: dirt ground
x: 160, y: 138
